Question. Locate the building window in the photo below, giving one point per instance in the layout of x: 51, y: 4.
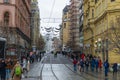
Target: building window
x: 112, y: 0
x: 64, y: 25
x: 6, y: 1
x: 92, y: 13
x: 96, y: 1
x: 6, y: 18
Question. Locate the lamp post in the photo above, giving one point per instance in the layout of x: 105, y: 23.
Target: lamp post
x: 106, y: 49
x: 103, y: 50
x: 99, y: 45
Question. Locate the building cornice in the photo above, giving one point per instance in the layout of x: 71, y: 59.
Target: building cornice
x: 7, y: 4
x: 104, y: 13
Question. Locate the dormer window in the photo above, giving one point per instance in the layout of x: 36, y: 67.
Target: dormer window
x: 6, y: 1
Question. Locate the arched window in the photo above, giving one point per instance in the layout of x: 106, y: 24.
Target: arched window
x: 6, y: 1
x: 6, y: 18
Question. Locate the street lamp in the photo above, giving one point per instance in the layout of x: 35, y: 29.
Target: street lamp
x: 103, y: 50
x: 106, y: 49
x: 98, y: 45
x: 102, y: 46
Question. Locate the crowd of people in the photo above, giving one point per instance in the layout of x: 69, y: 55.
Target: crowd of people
x: 14, y: 69
x: 5, y: 68
x: 92, y: 63
x: 10, y: 68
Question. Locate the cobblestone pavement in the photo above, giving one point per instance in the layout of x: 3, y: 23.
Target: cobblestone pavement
x: 61, y: 68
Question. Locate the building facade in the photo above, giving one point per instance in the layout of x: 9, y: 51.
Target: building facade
x: 81, y: 25
x: 66, y: 26
x: 74, y: 24
x: 35, y: 24
x: 15, y: 25
x: 56, y: 44
x: 98, y: 16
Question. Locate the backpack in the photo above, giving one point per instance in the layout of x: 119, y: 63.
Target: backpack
x: 18, y: 71
x: 81, y: 63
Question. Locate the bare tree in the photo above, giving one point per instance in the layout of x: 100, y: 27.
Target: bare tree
x: 41, y: 43
x: 114, y: 36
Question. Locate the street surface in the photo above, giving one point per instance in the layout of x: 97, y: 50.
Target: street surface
x: 61, y: 68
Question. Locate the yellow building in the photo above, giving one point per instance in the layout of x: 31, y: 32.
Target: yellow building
x: 65, y: 26
x: 98, y: 16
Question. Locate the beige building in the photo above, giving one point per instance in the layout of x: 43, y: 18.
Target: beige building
x: 65, y: 26
x: 56, y: 44
x: 35, y: 21
x: 98, y: 16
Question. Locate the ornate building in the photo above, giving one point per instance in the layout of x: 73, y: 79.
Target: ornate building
x: 66, y: 26
x: 15, y: 25
x: 98, y: 17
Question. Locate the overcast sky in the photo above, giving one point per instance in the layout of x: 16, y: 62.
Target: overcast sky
x: 46, y: 8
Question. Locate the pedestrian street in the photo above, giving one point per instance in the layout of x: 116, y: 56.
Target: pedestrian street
x: 61, y: 68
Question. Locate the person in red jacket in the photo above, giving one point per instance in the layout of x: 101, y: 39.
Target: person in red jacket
x: 82, y: 56
x: 100, y: 64
x: 75, y: 64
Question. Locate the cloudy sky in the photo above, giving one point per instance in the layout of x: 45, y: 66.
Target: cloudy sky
x: 51, y: 9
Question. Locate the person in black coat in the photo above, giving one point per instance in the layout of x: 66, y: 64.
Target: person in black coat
x: 0, y: 68
x: 114, y: 68
x: 3, y: 69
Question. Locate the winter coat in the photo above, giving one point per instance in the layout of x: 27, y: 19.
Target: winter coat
x: 96, y: 63
x: 115, y: 67
x: 100, y: 64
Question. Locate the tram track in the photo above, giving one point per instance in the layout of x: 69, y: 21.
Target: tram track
x: 42, y: 62
x: 55, y: 76
x: 52, y: 70
x: 68, y: 67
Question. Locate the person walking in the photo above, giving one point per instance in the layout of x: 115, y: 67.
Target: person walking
x: 92, y: 64
x: 100, y: 64
x: 17, y: 71
x: 96, y: 64
x: 8, y: 68
x: 87, y: 64
x: 28, y: 65
x: 82, y: 65
x: 114, y: 69
x: 75, y: 64
x: 0, y: 68
x: 24, y: 65
x: 3, y: 69
x: 106, y: 67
